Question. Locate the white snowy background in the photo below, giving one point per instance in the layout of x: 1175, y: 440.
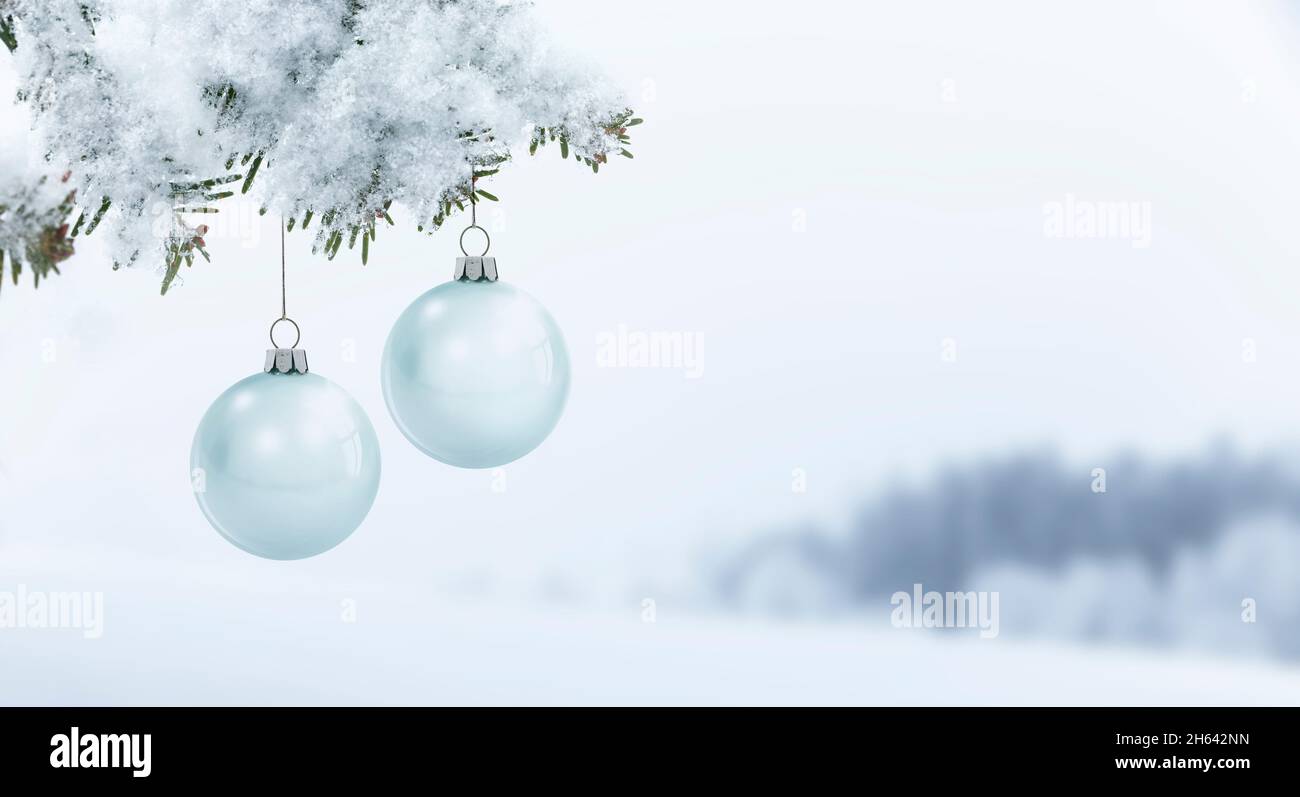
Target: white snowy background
x: 825, y: 193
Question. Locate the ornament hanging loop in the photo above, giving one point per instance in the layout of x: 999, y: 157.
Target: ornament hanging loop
x: 297, y: 333
x: 487, y: 241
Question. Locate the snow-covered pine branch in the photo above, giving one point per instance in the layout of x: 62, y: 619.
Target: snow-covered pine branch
x: 33, y: 233
x: 34, y: 205
x: 325, y: 111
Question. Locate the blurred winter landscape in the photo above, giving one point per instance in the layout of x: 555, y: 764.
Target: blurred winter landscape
x: 1174, y: 556
x: 903, y: 378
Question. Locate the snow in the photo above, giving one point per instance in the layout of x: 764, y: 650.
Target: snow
x: 194, y: 632
x: 352, y: 107
x: 452, y: 652
x: 30, y: 190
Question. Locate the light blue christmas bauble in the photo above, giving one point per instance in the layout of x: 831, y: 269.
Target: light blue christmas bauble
x: 285, y: 465
x: 476, y: 374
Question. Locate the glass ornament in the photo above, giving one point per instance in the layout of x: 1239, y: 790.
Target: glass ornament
x: 475, y: 371
x: 285, y: 463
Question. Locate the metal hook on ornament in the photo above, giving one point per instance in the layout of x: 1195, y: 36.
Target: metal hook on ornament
x: 297, y: 333
x: 487, y: 241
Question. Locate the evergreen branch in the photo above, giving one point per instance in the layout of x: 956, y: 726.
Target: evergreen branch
x: 34, y: 231
x: 7, y: 32
x: 65, y: 67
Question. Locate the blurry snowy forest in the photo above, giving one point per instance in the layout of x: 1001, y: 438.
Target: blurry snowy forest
x: 1165, y: 556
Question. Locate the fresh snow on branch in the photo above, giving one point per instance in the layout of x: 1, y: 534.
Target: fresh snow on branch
x: 34, y: 202
x: 333, y: 107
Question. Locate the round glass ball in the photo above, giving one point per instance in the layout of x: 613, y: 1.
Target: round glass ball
x: 285, y: 466
x: 475, y: 374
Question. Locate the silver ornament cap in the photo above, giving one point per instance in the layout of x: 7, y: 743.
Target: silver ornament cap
x: 286, y: 361
x: 476, y: 269
x: 480, y: 267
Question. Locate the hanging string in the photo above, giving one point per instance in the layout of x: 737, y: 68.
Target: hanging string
x: 284, y: 313
x: 473, y: 217
x: 284, y: 304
